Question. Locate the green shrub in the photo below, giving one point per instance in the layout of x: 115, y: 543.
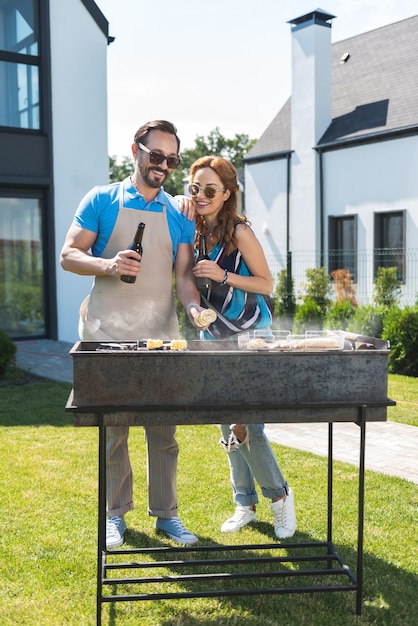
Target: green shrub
x: 284, y: 301
x: 315, y: 301
x: 309, y: 315
x: 401, y: 329
x: 318, y: 288
x: 7, y: 352
x: 387, y: 287
x: 367, y: 320
x: 339, y: 315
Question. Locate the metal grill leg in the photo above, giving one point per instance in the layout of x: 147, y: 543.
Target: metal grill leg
x: 101, y: 520
x: 360, y: 532
x: 330, y: 468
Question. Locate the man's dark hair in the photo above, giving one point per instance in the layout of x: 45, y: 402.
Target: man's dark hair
x: 142, y: 133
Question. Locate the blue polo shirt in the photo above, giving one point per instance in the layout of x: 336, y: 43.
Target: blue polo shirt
x: 99, y: 208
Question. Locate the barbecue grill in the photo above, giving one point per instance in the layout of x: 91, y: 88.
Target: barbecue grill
x: 124, y: 383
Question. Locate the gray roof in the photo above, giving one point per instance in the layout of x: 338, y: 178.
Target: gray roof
x: 374, y: 91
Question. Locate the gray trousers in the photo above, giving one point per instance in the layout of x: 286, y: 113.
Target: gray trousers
x: 162, y: 454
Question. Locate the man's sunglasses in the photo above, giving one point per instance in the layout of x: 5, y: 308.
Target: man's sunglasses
x: 156, y: 158
x: 209, y: 192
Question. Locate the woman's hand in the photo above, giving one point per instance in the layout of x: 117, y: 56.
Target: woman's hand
x: 209, y: 269
x: 187, y: 206
x: 193, y: 311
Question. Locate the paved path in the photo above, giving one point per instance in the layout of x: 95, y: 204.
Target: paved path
x: 391, y: 448
x: 47, y: 358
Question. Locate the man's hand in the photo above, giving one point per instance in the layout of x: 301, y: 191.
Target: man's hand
x: 126, y: 263
x: 187, y: 206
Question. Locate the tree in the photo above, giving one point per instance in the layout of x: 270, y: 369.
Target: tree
x: 119, y: 171
x: 233, y: 149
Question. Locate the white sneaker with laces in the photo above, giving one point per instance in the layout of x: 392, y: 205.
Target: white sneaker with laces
x: 243, y: 515
x: 115, y: 527
x: 284, y: 516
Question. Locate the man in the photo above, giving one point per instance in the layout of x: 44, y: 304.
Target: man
x: 96, y: 245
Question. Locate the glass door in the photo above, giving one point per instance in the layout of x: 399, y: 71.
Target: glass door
x: 22, y: 298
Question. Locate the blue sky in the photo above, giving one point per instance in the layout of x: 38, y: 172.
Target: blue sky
x: 202, y: 64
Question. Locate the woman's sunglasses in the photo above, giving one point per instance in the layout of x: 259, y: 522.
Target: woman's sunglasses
x: 156, y: 158
x: 209, y: 192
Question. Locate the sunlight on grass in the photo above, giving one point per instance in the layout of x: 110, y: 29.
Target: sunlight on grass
x: 404, y: 390
x: 48, y: 495
x: 378, y: 602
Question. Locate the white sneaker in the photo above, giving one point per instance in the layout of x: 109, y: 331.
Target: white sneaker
x: 284, y: 516
x: 243, y: 515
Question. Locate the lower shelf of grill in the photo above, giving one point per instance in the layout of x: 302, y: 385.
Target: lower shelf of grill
x: 198, y: 572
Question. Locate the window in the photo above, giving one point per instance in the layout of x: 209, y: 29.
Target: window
x: 19, y: 64
x: 342, y: 246
x: 21, y: 266
x: 389, y: 242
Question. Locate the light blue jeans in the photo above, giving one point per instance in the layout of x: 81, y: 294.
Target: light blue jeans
x: 256, y: 461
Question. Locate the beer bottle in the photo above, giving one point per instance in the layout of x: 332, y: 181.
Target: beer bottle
x: 137, y: 246
x: 202, y: 283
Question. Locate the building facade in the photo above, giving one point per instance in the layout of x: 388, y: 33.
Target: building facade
x: 331, y: 182
x: 53, y: 148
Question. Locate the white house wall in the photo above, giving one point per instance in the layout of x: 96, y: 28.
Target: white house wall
x: 362, y: 180
x: 265, y: 207
x: 373, y: 178
x: 80, y: 151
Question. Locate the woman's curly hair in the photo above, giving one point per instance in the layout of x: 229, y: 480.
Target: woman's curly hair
x: 228, y: 216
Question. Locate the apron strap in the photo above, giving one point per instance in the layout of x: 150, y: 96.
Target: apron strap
x: 121, y: 190
x: 121, y: 194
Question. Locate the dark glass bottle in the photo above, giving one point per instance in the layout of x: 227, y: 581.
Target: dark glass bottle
x: 202, y: 283
x: 137, y: 246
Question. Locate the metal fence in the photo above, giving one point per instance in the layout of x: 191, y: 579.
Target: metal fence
x: 363, y: 266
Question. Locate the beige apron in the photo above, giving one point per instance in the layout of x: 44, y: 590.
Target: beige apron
x: 115, y: 310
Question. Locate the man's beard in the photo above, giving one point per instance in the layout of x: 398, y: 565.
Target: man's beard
x: 146, y: 175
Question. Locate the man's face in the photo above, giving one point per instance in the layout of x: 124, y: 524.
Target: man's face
x: 158, y: 142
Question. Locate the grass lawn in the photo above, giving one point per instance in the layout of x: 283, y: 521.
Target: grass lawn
x: 48, y: 512
x: 403, y: 389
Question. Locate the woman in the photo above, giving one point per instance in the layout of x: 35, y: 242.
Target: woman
x: 241, y: 283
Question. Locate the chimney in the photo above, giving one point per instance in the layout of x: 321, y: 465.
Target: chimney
x: 310, y: 117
